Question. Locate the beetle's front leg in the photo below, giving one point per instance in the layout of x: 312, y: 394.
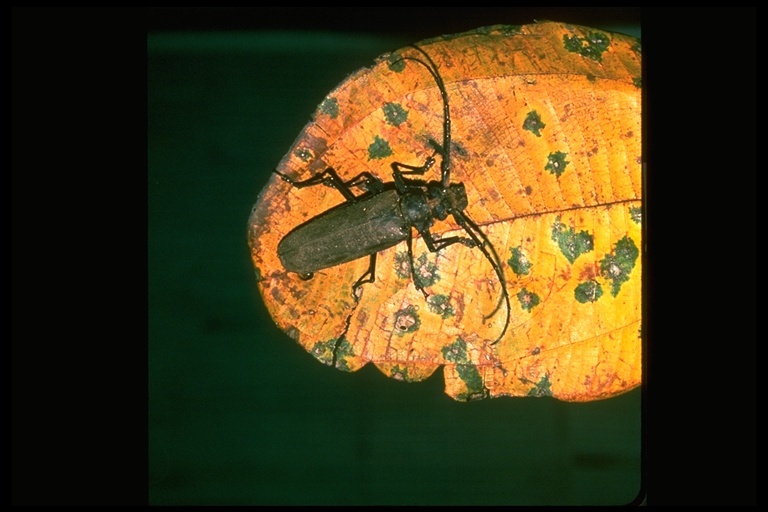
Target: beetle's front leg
x: 330, y: 178
x: 399, y: 170
x: 435, y: 245
x: 416, y: 281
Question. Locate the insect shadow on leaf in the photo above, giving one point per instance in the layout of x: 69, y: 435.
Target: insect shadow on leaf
x: 385, y: 214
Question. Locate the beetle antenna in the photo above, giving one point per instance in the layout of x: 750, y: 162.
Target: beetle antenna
x: 489, y: 251
x: 445, y: 162
x: 462, y: 218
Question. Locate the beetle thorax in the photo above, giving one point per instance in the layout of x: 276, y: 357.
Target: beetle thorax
x: 416, y: 209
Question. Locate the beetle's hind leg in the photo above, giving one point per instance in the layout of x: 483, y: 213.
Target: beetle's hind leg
x: 330, y: 178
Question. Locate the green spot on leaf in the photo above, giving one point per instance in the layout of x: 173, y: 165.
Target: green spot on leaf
x: 533, y: 123
x: 617, y: 266
x: 636, y: 214
x: 571, y: 244
x: 440, y: 304
x: 598, y: 41
x: 303, y: 153
x: 528, y: 300
x: 330, y: 107
x: 591, y: 47
x: 343, y: 350
x: 394, y: 113
x: 400, y: 374
x: 406, y: 320
x: 588, y: 291
x: 542, y: 388
x: 510, y: 30
x: 396, y: 63
x: 504, y: 30
x: 556, y: 163
x: 638, y: 81
x: 572, y: 43
x: 474, y: 382
x: 323, y: 351
x: 518, y: 262
x: 426, y: 271
x: 456, y: 353
x: 402, y: 265
x: 379, y: 149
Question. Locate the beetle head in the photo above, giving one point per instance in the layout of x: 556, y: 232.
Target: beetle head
x: 455, y: 197
x: 443, y: 201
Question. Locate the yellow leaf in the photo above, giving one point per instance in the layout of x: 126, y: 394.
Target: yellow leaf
x: 545, y: 127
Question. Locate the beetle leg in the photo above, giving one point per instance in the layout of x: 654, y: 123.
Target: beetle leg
x: 415, y: 280
x: 414, y: 169
x: 330, y: 178
x: 435, y: 245
x: 398, y: 172
x: 367, y: 181
x: 368, y: 277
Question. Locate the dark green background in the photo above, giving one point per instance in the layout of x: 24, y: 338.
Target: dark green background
x: 241, y: 414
